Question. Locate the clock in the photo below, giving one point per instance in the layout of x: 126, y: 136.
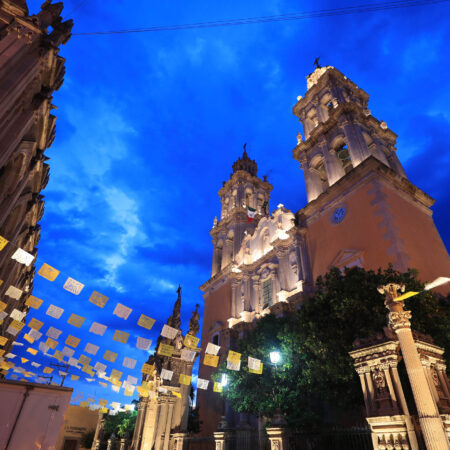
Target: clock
x: 339, y: 214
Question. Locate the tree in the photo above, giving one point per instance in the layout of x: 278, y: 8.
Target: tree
x: 121, y: 424
x: 316, y: 369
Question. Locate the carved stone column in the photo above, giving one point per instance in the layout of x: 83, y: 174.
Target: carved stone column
x: 98, y: 437
x: 234, y: 287
x: 430, y: 422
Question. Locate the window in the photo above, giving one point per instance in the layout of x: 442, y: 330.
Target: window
x: 267, y: 294
x: 215, y: 339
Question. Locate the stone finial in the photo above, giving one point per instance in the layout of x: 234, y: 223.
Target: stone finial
x: 299, y: 138
x: 175, y: 319
x: 215, y: 221
x: 245, y: 163
x: 194, y: 326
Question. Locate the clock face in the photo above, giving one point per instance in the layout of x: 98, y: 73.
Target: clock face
x: 339, y: 214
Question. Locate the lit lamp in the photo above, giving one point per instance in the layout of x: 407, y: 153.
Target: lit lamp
x: 275, y: 357
x: 224, y: 380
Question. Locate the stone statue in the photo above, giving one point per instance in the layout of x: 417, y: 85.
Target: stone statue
x: 316, y: 63
x: 299, y: 138
x: 379, y: 380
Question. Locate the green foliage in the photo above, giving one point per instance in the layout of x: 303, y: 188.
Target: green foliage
x: 122, y: 424
x: 316, y: 369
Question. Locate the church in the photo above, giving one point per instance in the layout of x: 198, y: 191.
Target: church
x: 361, y: 211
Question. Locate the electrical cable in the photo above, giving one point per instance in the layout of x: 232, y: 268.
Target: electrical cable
x: 364, y: 8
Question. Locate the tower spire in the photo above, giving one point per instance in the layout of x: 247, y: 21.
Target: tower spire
x: 175, y: 319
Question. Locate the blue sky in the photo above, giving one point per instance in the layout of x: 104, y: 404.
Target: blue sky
x: 149, y: 125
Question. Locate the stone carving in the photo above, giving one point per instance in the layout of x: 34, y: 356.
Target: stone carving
x: 380, y: 380
x: 436, y: 380
x: 299, y: 138
x: 400, y: 319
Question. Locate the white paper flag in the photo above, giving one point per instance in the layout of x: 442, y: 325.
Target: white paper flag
x: 10, y: 355
x: 98, y: 328
x: 115, y: 389
x: 91, y: 348
x: 69, y: 352
x: 43, y: 348
x: 35, y: 364
x: 202, y: 384
x: 132, y: 380
x: 23, y: 257
x: 90, y: 380
x: 122, y: 311
x: 73, y: 286
x: 162, y: 390
x: 212, y: 349
x: 53, y: 333
x: 36, y: 335
x: 17, y: 315
x: 437, y: 282
x: 232, y: 366
x: 143, y: 344
x: 166, y: 374
x: 254, y: 364
x: 75, y: 363
x: 187, y: 355
x: 19, y: 344
x: 169, y: 332
x: 129, y: 362
x: 99, y: 367
x: 54, y: 311
x: 12, y: 330
x: 3, y: 314
x: 14, y: 292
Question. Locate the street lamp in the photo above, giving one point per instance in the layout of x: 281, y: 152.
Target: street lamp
x: 224, y: 380
x: 275, y: 357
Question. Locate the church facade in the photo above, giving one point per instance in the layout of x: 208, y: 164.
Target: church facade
x: 361, y: 211
x: 30, y: 71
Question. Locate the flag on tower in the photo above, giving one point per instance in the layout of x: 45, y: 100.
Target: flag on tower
x: 250, y: 214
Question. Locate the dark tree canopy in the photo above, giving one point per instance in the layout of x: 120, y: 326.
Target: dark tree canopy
x: 316, y: 369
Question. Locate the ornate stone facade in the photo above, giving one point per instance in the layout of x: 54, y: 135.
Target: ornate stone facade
x: 362, y: 211
x: 30, y: 71
x: 162, y: 418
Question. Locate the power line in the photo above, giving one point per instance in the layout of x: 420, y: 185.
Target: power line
x: 371, y: 7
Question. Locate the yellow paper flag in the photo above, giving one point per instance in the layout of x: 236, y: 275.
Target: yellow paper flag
x: 58, y: 355
x: 211, y: 360
x: 47, y: 370
x: 3, y: 242
x: 148, y: 368
x: 33, y: 302
x: 142, y: 391
x: 48, y: 272
x: 3, y: 340
x: 84, y: 360
x: 76, y: 320
x: 110, y: 356
x: 102, y: 402
x: 234, y: 357
x: 146, y: 322
x: 88, y: 369
x: 72, y: 341
x: 35, y: 324
x: 128, y: 392
x: 165, y: 350
x: 74, y: 377
x: 98, y: 299
x: 28, y: 338
x: 3, y: 305
x: 84, y: 404
x: 24, y: 360
x: 16, y: 325
x: 257, y: 372
x: 116, y: 374
x: 121, y: 336
x: 191, y: 341
x: 405, y: 296
x: 51, y: 343
x: 176, y: 394
x: 185, y: 379
x: 217, y: 387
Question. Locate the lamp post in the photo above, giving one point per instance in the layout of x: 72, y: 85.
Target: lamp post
x: 278, y: 419
x: 399, y: 320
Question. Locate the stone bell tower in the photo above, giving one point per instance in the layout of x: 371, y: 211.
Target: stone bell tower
x: 242, y: 191
x: 362, y: 209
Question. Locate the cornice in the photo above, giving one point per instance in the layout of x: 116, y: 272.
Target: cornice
x: 243, y: 177
x: 363, y: 173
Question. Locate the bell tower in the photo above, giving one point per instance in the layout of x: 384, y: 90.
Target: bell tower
x: 362, y: 209
x: 340, y: 132
x: 242, y: 196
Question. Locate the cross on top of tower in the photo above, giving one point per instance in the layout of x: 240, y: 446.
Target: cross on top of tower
x: 245, y: 163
